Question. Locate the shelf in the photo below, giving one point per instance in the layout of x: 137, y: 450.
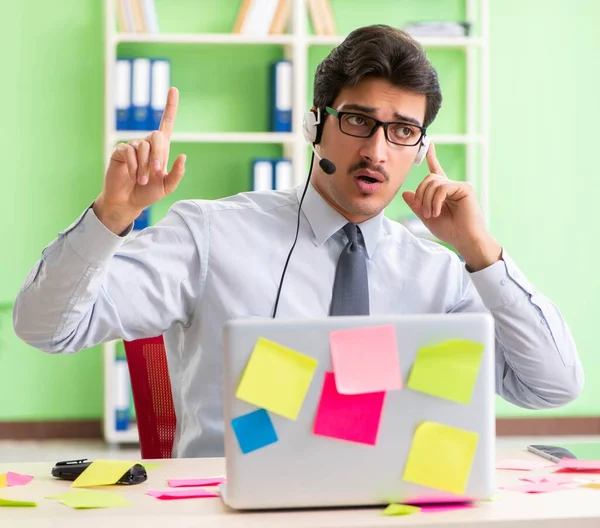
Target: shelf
x: 266, y: 137
x: 312, y: 40
x: 202, y: 38
x: 212, y: 137
x: 428, y: 42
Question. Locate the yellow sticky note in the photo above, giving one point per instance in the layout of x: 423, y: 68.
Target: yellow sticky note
x: 6, y: 503
x: 400, y: 509
x: 447, y: 369
x: 3, y: 483
x: 276, y: 378
x: 83, y: 499
x: 592, y: 485
x: 149, y: 465
x: 441, y: 457
x: 102, y: 473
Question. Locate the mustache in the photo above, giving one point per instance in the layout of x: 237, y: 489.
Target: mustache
x: 363, y: 164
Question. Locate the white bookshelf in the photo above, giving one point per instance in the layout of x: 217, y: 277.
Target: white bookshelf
x: 296, y: 46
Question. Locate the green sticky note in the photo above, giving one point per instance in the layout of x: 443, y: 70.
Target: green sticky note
x: 447, y: 369
x: 15, y: 503
x: 84, y: 499
x: 441, y: 457
x: 276, y: 378
x: 400, y: 509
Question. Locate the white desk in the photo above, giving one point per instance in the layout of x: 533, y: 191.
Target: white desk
x: 574, y: 508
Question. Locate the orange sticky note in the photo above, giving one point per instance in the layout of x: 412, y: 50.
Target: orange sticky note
x: 102, y: 473
x: 365, y: 359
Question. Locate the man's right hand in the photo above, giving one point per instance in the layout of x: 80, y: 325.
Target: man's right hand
x: 137, y: 173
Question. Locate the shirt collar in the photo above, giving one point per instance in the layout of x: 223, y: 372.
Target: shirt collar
x: 326, y: 221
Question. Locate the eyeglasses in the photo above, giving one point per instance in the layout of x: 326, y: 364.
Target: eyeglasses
x: 362, y: 126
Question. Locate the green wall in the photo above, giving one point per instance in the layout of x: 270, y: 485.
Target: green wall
x: 542, y: 184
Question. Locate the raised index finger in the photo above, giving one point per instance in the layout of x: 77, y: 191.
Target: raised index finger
x: 168, y: 118
x: 432, y: 161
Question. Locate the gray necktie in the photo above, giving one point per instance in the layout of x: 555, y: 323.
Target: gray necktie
x: 351, y: 285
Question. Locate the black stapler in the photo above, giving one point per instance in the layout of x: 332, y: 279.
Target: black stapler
x: 71, y: 469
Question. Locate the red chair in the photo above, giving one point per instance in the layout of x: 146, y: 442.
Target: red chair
x: 152, y: 396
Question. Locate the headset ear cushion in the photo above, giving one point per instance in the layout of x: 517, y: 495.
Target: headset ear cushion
x: 319, y: 130
x: 422, y: 152
x: 309, y: 126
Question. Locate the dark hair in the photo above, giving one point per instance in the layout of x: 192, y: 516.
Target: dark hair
x: 382, y: 52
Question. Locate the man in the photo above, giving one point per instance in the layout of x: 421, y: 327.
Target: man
x: 209, y: 261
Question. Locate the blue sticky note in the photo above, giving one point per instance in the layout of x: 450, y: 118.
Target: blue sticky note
x: 254, y: 430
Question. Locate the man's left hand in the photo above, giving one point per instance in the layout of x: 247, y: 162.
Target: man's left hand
x: 449, y: 209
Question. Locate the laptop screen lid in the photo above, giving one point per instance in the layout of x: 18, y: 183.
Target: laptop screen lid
x: 308, y: 425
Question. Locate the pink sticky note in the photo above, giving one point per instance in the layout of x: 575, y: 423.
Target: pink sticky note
x: 353, y: 417
x: 437, y: 508
x: 579, y: 465
x: 542, y: 487
x: 522, y: 465
x: 179, y: 483
x: 182, y: 494
x: 16, y: 479
x: 551, y: 478
x: 441, y: 499
x: 365, y: 359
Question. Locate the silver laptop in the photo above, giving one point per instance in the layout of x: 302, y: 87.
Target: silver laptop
x: 421, y: 437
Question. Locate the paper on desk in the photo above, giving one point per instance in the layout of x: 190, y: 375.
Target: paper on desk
x: 102, y: 472
x: 441, y: 457
x: 551, y: 478
x: 447, y: 370
x: 578, y: 465
x: 365, y: 359
x: 9, y: 503
x: 276, y: 378
x: 182, y: 494
x: 254, y: 430
x: 352, y: 417
x: 400, y: 509
x: 540, y: 487
x: 178, y: 483
x: 17, y: 479
x: 84, y: 499
x: 522, y: 465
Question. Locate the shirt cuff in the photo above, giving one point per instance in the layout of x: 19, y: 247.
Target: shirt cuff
x: 500, y: 284
x: 92, y: 240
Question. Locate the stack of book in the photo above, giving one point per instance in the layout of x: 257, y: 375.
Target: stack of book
x: 438, y: 29
x: 272, y: 17
x: 263, y: 17
x: 137, y: 16
x: 270, y: 174
x: 140, y: 92
x: 321, y: 16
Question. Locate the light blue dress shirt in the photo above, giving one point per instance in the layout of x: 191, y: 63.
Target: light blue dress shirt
x: 209, y: 261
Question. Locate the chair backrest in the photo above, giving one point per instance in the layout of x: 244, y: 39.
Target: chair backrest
x: 152, y: 396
